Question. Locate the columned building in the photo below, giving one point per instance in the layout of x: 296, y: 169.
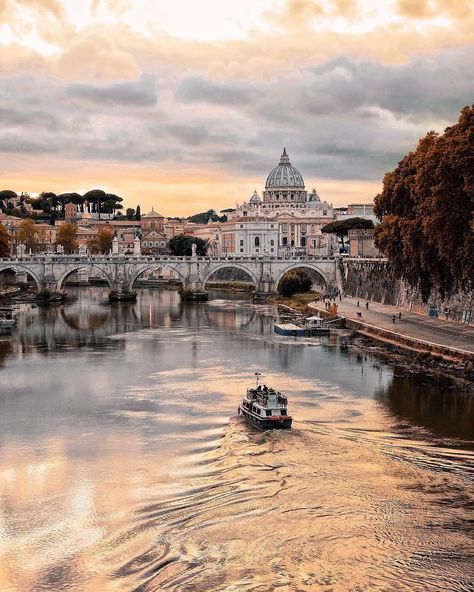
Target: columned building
x: 298, y: 216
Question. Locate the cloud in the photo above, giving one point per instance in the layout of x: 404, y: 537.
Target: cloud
x: 140, y: 93
x: 197, y: 89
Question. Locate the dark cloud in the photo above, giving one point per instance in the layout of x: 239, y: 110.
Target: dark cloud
x: 141, y: 93
x: 342, y: 119
x: 199, y: 90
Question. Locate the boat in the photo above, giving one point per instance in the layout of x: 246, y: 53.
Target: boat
x: 314, y: 325
x: 265, y: 407
x: 7, y: 320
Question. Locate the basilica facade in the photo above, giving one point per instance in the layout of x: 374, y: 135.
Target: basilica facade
x: 285, y: 207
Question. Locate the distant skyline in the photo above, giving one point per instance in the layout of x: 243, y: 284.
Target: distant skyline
x: 186, y: 105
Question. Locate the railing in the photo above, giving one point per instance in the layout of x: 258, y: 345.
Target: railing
x: 153, y: 258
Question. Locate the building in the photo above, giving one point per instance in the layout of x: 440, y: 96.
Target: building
x: 299, y: 216
x: 362, y: 244
x: 365, y: 211
x: 247, y: 236
x: 154, y: 239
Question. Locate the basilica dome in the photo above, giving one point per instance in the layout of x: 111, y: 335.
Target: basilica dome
x: 284, y: 175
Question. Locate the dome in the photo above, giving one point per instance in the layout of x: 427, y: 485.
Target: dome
x: 284, y: 175
x: 255, y: 199
x: 313, y: 196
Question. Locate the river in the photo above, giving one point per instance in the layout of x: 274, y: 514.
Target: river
x: 124, y: 466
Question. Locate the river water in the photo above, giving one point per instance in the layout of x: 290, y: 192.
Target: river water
x: 123, y: 464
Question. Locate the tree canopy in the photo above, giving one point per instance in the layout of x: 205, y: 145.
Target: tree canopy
x: 427, y: 211
x: 67, y: 237
x: 181, y: 245
x: 295, y: 281
x: 4, y: 241
x: 341, y: 227
x: 102, y: 243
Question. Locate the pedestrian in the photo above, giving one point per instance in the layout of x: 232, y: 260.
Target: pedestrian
x: 393, y: 318
x: 340, y: 297
x: 367, y: 305
x: 400, y: 316
x: 358, y: 304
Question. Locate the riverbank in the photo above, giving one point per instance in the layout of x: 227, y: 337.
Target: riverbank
x: 298, y: 302
x: 407, y: 351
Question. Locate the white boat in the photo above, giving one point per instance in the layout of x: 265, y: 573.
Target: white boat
x: 265, y: 407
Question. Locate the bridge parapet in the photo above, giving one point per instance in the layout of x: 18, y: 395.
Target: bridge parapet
x: 121, y: 271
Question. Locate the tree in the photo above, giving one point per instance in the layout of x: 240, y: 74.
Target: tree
x: 102, y: 243
x: 181, y: 245
x: 4, y: 241
x: 5, y: 196
x: 427, y: 211
x: 67, y: 237
x: 295, y: 281
x: 203, y: 217
x: 341, y: 227
x: 138, y: 215
x: 96, y: 197
x: 130, y: 214
x: 27, y: 234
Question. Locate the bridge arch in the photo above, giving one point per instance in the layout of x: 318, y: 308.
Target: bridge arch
x: 156, y: 267
x: 74, y: 268
x: 27, y: 270
x: 301, y: 265
x: 230, y: 265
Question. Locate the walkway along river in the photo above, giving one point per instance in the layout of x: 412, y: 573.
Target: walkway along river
x: 123, y: 465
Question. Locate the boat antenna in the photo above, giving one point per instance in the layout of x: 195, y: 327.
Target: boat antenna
x: 258, y: 374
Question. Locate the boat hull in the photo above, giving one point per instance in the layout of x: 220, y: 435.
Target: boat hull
x: 267, y: 423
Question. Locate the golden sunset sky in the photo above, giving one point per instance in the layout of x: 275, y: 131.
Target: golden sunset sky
x: 186, y: 105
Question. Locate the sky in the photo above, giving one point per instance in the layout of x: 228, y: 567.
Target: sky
x: 186, y: 105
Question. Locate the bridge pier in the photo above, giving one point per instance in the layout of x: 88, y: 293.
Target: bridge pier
x: 121, y: 292
x: 193, y: 290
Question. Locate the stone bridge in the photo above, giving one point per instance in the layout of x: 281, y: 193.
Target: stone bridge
x: 121, y: 272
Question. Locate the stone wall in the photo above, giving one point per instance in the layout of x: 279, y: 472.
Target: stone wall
x: 372, y: 280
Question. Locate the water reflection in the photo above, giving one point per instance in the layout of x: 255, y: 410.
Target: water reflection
x: 435, y: 406
x: 124, y: 467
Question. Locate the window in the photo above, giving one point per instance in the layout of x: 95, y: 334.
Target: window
x: 245, y: 213
x: 325, y: 212
x: 257, y: 241
x: 303, y: 241
x: 268, y: 412
x: 271, y: 226
x: 284, y: 241
x: 303, y: 227
x: 241, y: 226
x: 272, y: 250
x: 272, y: 242
x: 241, y: 243
x: 283, y: 412
x: 241, y: 250
x: 292, y: 243
x: 284, y: 227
